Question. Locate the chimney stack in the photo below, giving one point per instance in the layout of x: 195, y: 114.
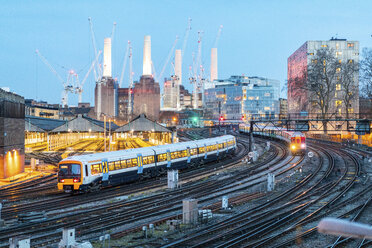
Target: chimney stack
x: 214, y: 65
x: 107, y: 58
x: 147, y: 56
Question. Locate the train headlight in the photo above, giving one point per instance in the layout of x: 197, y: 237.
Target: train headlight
x: 62, y: 180
x: 303, y: 145
x: 76, y: 180
x: 293, y: 147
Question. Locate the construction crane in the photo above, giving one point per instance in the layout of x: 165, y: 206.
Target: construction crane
x: 215, y: 44
x: 98, y: 71
x: 197, y: 79
x: 68, y: 85
x: 124, y: 64
x: 79, y: 86
x: 130, y: 89
x: 167, y: 59
x: 186, y: 37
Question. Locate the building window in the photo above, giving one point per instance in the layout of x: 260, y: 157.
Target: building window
x: 338, y: 69
x: 350, y: 45
x: 338, y: 54
x: 324, y: 46
x: 351, y: 110
x: 350, y: 61
x: 338, y: 86
x: 338, y: 103
x: 267, y: 108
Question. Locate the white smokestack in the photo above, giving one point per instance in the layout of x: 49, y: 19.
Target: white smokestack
x: 178, y: 65
x: 147, y: 56
x: 214, y: 65
x: 107, y: 58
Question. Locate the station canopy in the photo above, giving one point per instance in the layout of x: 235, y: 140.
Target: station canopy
x: 85, y: 124
x: 39, y: 124
x: 142, y: 124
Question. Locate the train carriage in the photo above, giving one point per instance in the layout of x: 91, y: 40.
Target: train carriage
x: 93, y: 171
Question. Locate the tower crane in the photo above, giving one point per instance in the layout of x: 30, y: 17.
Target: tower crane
x: 218, y: 36
x: 79, y: 86
x: 98, y: 72
x: 167, y: 59
x: 186, y: 37
x: 197, y: 80
x: 67, y: 84
x: 124, y: 64
x: 130, y: 89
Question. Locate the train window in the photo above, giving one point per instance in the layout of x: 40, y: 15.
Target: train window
x: 180, y: 154
x: 134, y: 162
x: 123, y: 165
x: 144, y: 161
x: 117, y: 165
x: 174, y: 155
x: 201, y: 150
x: 220, y: 146
x: 193, y: 151
x: 150, y: 159
x: 162, y: 157
x: 224, y: 144
x: 112, y: 166
x: 184, y: 153
x: 129, y: 163
x: 95, y: 169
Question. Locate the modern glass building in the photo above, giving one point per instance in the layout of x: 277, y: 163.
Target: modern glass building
x: 242, y: 97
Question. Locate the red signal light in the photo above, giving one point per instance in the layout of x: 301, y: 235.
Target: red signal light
x: 221, y: 118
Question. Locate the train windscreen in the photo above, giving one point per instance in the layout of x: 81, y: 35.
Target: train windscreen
x: 69, y: 170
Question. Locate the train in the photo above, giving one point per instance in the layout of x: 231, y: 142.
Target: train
x: 91, y: 172
x: 296, y: 140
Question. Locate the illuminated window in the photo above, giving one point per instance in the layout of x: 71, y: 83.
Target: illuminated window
x: 338, y: 54
x: 338, y: 78
x: 251, y: 98
x: 338, y: 86
x: 338, y: 69
x: 339, y: 61
x: 257, y: 98
x: 335, y: 94
x: 339, y: 111
x: 338, y: 103
x: 314, y: 61
x: 310, y: 54
x: 350, y: 61
x: 266, y: 108
x: 324, y: 46
x: 351, y: 110
x: 350, y: 45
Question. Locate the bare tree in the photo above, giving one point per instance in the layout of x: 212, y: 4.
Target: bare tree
x: 321, y: 82
x: 348, y: 81
x: 366, y: 73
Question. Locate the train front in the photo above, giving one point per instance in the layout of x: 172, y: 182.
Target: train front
x: 70, y: 176
x: 298, y: 143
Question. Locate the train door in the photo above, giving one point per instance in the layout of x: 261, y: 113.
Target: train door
x: 169, y: 159
x: 105, y: 171
x: 188, y: 155
x: 139, y: 163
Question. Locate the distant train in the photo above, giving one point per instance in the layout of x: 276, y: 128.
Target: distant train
x: 296, y: 140
x: 93, y: 171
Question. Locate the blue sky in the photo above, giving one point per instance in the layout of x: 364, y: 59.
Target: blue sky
x: 257, y: 36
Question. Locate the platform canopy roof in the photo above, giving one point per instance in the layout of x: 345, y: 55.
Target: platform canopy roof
x: 142, y: 124
x: 39, y: 124
x: 85, y: 124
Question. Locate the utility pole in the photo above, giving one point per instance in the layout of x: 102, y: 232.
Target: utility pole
x: 251, y: 136
x: 104, y: 126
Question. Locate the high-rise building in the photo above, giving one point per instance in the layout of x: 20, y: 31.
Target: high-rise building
x: 241, y: 96
x: 299, y: 99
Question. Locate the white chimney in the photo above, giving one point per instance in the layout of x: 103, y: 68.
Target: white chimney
x: 147, y: 56
x: 107, y: 58
x: 178, y: 65
x: 214, y: 66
